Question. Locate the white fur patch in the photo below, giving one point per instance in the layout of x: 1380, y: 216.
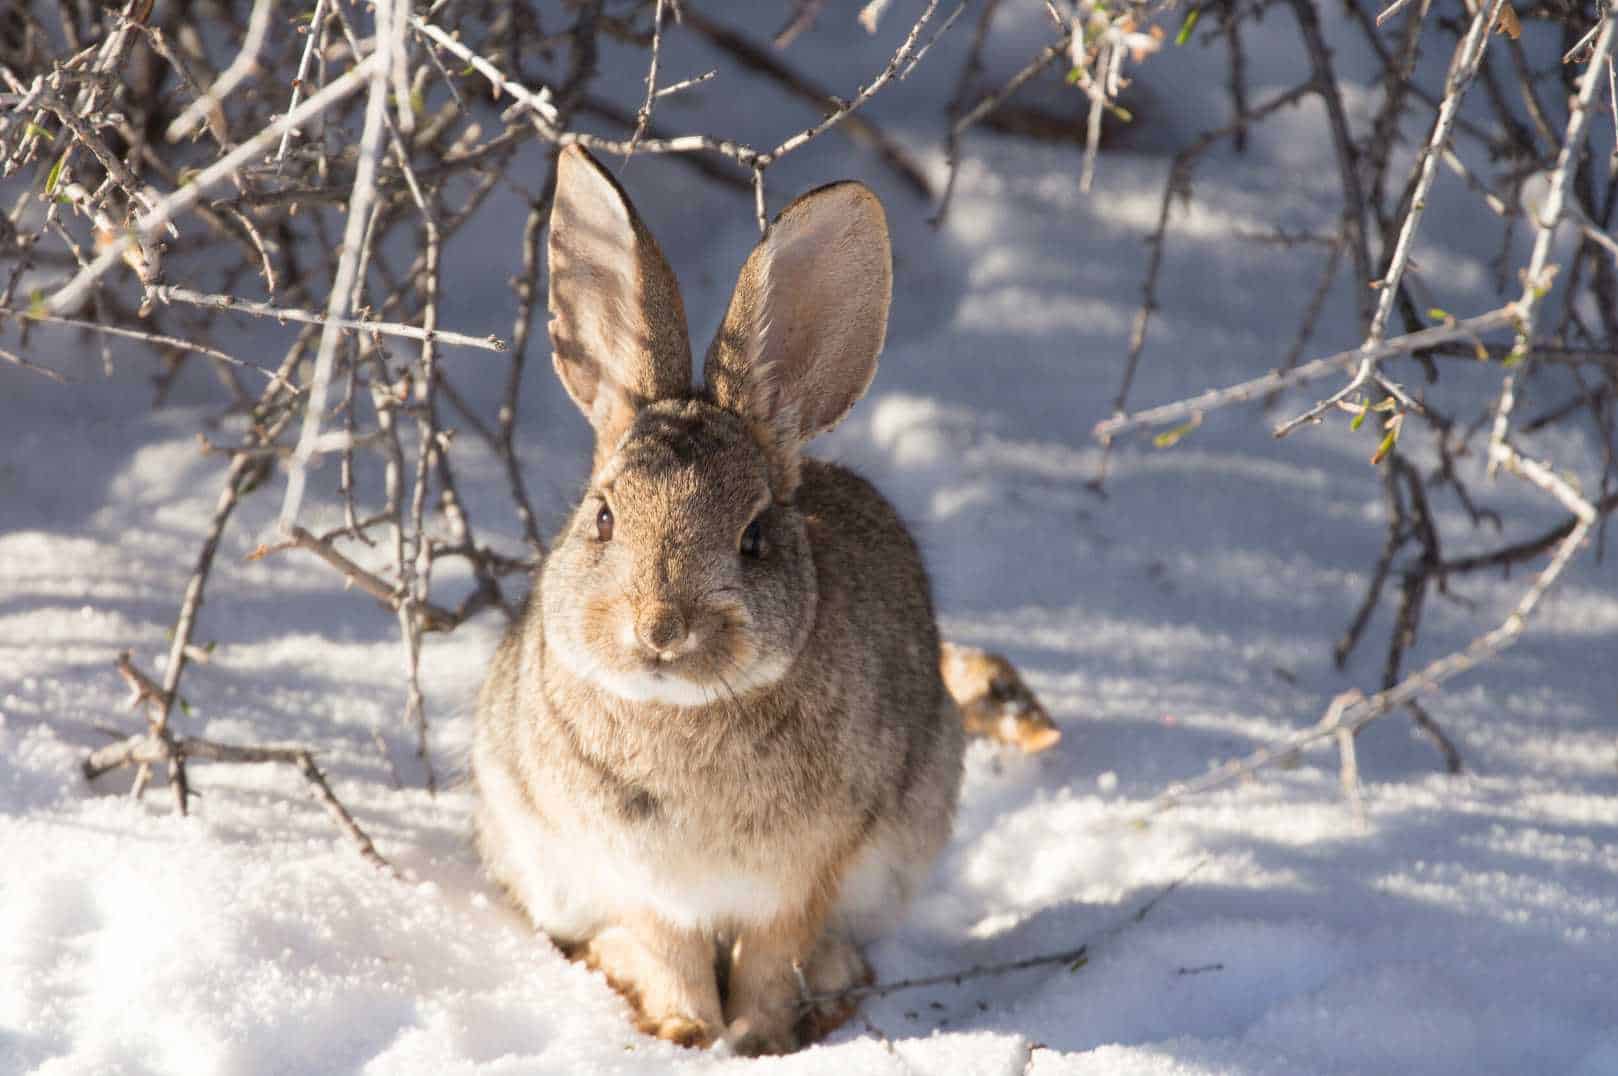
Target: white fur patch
x: 714, y: 897
x: 877, y: 888
x: 664, y: 688
x: 527, y: 853
x: 576, y: 875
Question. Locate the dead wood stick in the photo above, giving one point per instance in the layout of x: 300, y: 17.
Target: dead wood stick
x: 1309, y: 371
x: 1076, y: 957
x: 860, y: 129
x: 173, y: 294
x: 146, y: 749
x: 69, y: 296
x: 1352, y: 711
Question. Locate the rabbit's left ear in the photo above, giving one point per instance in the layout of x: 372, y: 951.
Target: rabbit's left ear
x: 618, y: 334
x: 800, y: 340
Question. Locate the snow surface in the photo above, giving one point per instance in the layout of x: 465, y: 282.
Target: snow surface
x: 1470, y: 927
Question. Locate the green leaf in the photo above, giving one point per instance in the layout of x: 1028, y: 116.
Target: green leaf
x: 1074, y: 76
x: 1169, y: 438
x: 36, y: 304
x: 1438, y: 313
x: 185, y: 707
x: 39, y: 132
x: 1388, y: 441
x: 1359, y: 419
x: 1188, y: 25
x: 1384, y: 448
x: 55, y: 175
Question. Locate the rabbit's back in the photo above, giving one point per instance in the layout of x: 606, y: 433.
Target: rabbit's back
x: 875, y: 623
x: 868, y: 561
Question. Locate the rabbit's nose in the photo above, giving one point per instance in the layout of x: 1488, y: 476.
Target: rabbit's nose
x: 661, y: 628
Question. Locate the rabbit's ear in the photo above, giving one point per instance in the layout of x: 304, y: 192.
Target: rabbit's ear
x: 799, y: 344
x: 618, y: 334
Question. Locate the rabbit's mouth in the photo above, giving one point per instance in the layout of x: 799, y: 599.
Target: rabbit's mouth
x: 691, y: 680
x: 697, y: 677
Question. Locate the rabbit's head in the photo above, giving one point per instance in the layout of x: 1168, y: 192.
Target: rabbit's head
x: 687, y: 575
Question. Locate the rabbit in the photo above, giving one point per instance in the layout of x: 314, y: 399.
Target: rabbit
x: 714, y: 755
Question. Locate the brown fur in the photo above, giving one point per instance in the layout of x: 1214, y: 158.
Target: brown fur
x: 806, y: 789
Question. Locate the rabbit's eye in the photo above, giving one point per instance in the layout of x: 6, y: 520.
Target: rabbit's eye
x: 604, y: 524
x: 753, y: 540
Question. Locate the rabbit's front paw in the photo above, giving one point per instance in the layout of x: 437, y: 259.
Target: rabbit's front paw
x: 768, y: 986
x: 666, y: 974
x: 682, y: 1031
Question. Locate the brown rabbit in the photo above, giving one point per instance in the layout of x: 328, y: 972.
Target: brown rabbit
x: 717, y: 744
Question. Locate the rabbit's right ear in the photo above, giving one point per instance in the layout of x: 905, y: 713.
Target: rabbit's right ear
x: 618, y: 333
x: 799, y: 344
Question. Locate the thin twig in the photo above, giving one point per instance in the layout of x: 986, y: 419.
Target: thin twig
x: 1177, y: 183
x: 144, y: 750
x: 1537, y: 277
x: 1326, y: 86
x: 244, y: 66
x: 1353, y: 712
x: 347, y: 276
x: 859, y: 128
x: 644, y: 116
x: 43, y: 371
x: 161, y: 340
x: 71, y: 295
x: 312, y: 34
x: 432, y: 617
x: 964, y: 84
x: 1310, y: 371
x: 172, y: 293
x: 1075, y: 957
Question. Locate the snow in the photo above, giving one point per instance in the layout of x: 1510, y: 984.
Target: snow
x: 1469, y: 925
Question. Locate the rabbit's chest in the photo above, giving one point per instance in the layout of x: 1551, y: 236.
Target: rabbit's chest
x: 713, y: 852
x: 693, y: 864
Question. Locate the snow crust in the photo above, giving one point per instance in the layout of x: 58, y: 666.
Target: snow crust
x: 1470, y: 927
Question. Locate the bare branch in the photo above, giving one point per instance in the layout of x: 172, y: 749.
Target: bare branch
x: 1310, y: 371
x: 1075, y: 957
x: 174, y: 294
x: 1550, y: 211
x: 860, y: 129
x: 243, y: 67
x: 1351, y: 712
x: 70, y: 296
x: 147, y: 750
x: 431, y: 616
x: 348, y: 276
